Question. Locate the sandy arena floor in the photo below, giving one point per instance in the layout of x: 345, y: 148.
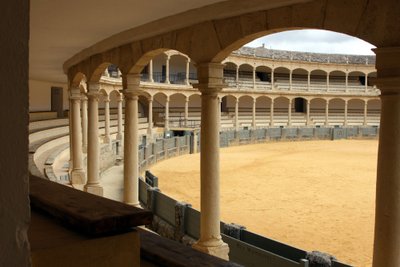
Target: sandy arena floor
x: 315, y: 195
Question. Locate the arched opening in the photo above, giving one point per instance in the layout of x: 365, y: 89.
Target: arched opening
x: 336, y: 111
x: 177, y: 110
x: 230, y: 74
x: 245, y: 111
x: 263, y: 107
x: 177, y: 69
x: 318, y: 80
x: 374, y: 112
x: 300, y: 79
x: 281, y: 78
x: 337, y: 80
x: 356, y: 81
x: 318, y: 112
x: 355, y: 110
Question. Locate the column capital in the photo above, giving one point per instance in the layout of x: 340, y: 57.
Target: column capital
x: 150, y: 98
x: 84, y: 97
x: 94, y: 95
x: 120, y: 97
x: 93, y: 86
x: 211, y: 78
x: 388, y: 69
x: 106, y: 99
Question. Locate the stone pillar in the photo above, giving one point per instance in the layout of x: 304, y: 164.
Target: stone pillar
x: 254, y: 113
x: 290, y: 112
x: 151, y: 78
x: 327, y: 113
x: 107, y: 138
x: 290, y: 79
x: 77, y: 173
x: 84, y: 108
x: 237, y: 114
x: 365, y: 112
x: 271, y: 114
x: 237, y: 76
x: 327, y: 82
x: 131, y: 140
x: 220, y: 110
x: 93, y: 156
x: 309, y: 81
x: 167, y: 69
x: 272, y: 79
x: 186, y: 111
x: 187, y: 71
x: 210, y: 83
x: 366, y: 82
x: 346, y: 104
x: 254, y: 77
x: 71, y: 152
x: 166, y: 118
x: 347, y: 82
x: 387, y: 208
x: 119, y: 133
x: 150, y: 127
x: 308, y: 101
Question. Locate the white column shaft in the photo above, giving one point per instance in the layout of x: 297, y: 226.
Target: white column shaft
x: 166, y: 122
x: 237, y: 115
x: 150, y: 128
x: 131, y: 150
x: 365, y: 113
x: 167, y: 70
x: 271, y: 114
x: 327, y: 113
x: 151, y: 79
x: 84, y: 124
x: 119, y: 134
x: 107, y: 138
x: 308, y: 102
x: 187, y: 111
x: 187, y: 71
x: 290, y: 112
x: 254, y: 78
x: 346, y: 104
x: 254, y: 114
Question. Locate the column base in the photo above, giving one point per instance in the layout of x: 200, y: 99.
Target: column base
x: 78, y: 176
x: 107, y: 140
x: 119, y: 136
x: 94, y: 189
x: 221, y: 250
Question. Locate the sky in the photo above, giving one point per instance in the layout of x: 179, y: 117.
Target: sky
x: 317, y: 41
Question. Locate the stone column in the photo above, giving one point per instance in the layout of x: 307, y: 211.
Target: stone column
x: 167, y: 69
x: 210, y: 83
x: 254, y: 113
x: 166, y: 118
x: 309, y: 81
x: 186, y: 111
x: 272, y: 78
x: 327, y: 113
x: 93, y: 156
x: 151, y: 78
x: 119, y: 133
x: 254, y: 77
x: 365, y: 112
x: 71, y: 152
x: 308, y: 101
x: 131, y: 140
x: 290, y: 79
x: 347, y: 82
x: 271, y: 114
x: 237, y: 114
x: 290, y: 112
x: 237, y: 76
x: 84, y: 107
x: 150, y: 127
x: 366, y: 82
x: 220, y: 110
x: 77, y: 173
x: 346, y: 104
x: 187, y: 71
x: 327, y: 82
x: 387, y: 208
x: 107, y: 138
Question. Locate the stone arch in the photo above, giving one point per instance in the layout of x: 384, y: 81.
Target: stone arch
x: 337, y: 78
x: 263, y: 73
x: 230, y: 69
x: 356, y: 78
x: 318, y: 77
x: 245, y: 72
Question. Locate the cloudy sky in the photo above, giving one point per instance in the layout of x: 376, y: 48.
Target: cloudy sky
x: 315, y: 41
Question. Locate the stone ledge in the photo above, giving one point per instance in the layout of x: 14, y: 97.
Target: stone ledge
x: 86, y: 213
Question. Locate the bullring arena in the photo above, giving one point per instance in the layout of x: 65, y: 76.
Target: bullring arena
x: 311, y: 195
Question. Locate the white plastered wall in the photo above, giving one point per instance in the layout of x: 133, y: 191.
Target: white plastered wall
x: 40, y: 95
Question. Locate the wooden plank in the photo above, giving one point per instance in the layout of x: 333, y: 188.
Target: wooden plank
x: 84, y: 212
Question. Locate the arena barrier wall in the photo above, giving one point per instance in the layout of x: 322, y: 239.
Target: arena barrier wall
x: 179, y: 221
